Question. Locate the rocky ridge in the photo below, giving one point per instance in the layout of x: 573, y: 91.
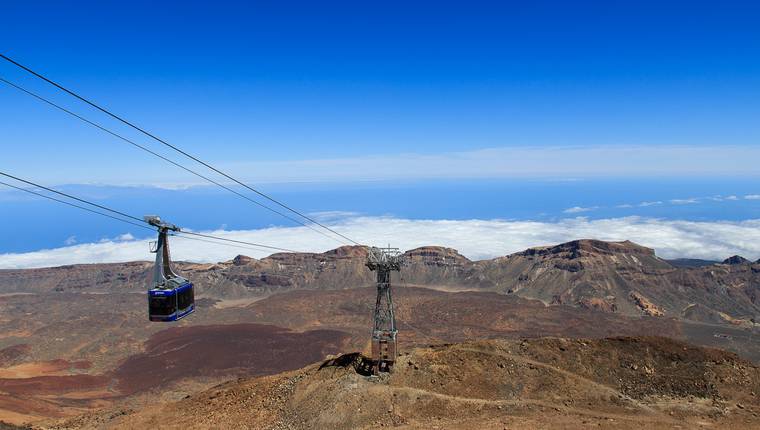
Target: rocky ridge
x: 620, y: 277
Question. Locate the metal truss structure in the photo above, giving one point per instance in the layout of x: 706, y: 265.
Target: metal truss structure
x: 384, y: 332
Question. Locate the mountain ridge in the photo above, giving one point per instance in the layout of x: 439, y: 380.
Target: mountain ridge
x: 619, y: 277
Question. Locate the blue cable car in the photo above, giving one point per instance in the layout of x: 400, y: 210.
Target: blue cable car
x: 171, y: 296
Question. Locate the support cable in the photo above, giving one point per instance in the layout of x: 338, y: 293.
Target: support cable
x: 75, y: 205
x: 26, y: 190
x: 418, y: 331
x: 182, y: 236
x: 139, y: 220
x: 149, y: 151
x: 235, y: 241
x: 175, y: 148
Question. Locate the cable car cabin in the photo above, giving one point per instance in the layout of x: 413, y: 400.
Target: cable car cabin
x: 171, y: 304
x: 171, y: 298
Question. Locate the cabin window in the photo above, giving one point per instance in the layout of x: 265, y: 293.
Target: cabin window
x: 162, y: 305
x: 185, y: 298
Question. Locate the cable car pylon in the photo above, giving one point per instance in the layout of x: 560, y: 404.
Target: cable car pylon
x: 171, y: 296
x: 384, y: 332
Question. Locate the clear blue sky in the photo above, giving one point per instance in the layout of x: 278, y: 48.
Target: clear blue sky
x: 633, y: 108
x: 268, y: 81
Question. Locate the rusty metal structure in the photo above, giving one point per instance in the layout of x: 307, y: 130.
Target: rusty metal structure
x: 384, y: 332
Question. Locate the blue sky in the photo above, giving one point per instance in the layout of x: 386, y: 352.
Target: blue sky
x: 354, y: 95
x: 311, y: 81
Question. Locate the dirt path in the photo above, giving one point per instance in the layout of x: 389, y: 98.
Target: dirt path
x: 602, y: 387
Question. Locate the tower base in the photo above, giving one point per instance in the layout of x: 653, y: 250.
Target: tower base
x: 383, y: 353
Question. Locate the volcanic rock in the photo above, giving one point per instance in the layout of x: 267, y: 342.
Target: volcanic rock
x: 736, y: 259
x: 643, y: 382
x: 620, y: 277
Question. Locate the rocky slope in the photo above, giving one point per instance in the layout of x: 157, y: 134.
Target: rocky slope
x: 618, y: 277
x: 627, y: 278
x: 89, y: 351
x: 626, y: 383
x: 76, y: 338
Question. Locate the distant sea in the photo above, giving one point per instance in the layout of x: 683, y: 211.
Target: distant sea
x: 28, y: 223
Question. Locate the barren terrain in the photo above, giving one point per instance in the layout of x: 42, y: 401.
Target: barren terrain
x: 76, y: 339
x: 625, y: 383
x: 615, y: 277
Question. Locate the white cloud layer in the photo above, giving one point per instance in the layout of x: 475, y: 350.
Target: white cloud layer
x: 689, y: 201
x: 579, y: 209
x: 514, y: 161
x: 476, y: 239
x: 675, y: 202
x: 520, y: 161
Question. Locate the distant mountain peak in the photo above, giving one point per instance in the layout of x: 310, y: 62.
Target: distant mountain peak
x: 736, y: 259
x: 585, y: 247
x: 241, y: 260
x: 348, y: 251
x: 435, y: 252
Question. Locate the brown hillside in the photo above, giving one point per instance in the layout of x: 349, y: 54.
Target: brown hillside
x: 617, y: 277
x: 626, y: 383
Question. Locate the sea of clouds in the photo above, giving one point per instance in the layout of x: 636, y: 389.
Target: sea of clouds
x: 476, y: 239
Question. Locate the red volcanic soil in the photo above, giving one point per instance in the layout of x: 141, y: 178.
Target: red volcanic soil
x: 222, y: 350
x: 19, y: 408
x: 52, y: 384
x: 12, y: 353
x: 200, y: 351
x: 216, y: 351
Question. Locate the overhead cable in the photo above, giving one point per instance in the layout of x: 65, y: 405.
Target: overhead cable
x: 149, y: 151
x: 175, y: 148
x: 122, y: 214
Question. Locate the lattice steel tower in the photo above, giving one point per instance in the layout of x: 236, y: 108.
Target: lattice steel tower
x: 384, y: 261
